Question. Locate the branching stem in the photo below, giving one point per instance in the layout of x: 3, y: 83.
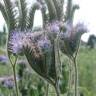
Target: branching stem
x: 76, y: 77
x: 47, y: 88
x: 14, y: 73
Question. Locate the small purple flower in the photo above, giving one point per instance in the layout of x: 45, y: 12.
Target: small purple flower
x: 71, y: 31
x: 67, y: 31
x: 44, y: 44
x: 64, y: 35
x: 3, y: 59
x: 8, y: 83
x: 53, y: 29
x: 68, y: 25
x: 81, y: 28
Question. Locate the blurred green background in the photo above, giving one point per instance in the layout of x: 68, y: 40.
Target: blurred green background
x: 87, y: 71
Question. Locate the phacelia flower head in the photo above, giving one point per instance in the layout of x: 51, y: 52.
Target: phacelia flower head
x: 16, y: 41
x: 69, y: 39
x: 19, y: 41
x: 53, y: 29
x: 67, y: 30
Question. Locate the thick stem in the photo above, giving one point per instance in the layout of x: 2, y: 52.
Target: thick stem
x: 70, y: 79
x: 14, y: 73
x: 76, y: 78
x: 56, y: 80
x: 47, y: 88
x: 76, y: 70
x: 57, y: 89
x: 16, y: 87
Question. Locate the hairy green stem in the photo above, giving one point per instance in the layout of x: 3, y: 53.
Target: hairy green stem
x: 47, y: 88
x: 56, y: 81
x: 76, y: 69
x: 70, y: 78
x: 14, y: 73
x: 16, y: 87
x: 76, y: 77
x: 57, y: 89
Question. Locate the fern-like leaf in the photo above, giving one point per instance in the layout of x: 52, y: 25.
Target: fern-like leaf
x: 33, y: 8
x: 3, y: 11
x: 22, y: 6
x: 51, y: 9
x: 39, y: 57
x: 59, y: 8
x: 43, y: 11
x: 10, y: 14
x: 74, y: 8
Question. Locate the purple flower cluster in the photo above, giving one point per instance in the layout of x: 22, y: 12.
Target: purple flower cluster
x: 71, y: 37
x: 70, y: 31
x: 54, y: 27
x: 67, y: 31
x: 16, y: 41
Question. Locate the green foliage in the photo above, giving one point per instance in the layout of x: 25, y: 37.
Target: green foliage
x: 2, y: 38
x: 29, y: 83
x: 86, y: 66
x: 44, y: 66
x: 64, y: 80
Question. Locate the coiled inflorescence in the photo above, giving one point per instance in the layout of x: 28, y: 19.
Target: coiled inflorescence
x: 70, y: 37
x: 15, y: 42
